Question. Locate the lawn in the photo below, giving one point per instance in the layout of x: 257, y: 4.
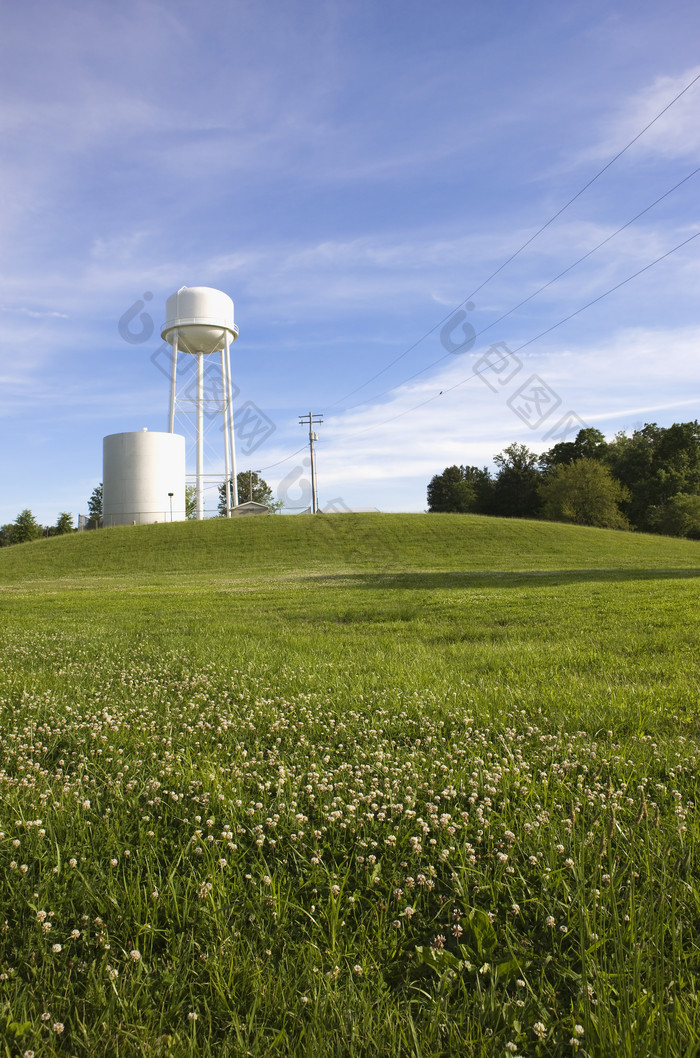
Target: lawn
x: 350, y: 785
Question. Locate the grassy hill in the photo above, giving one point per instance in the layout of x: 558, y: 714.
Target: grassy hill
x: 368, y: 785
x: 339, y: 543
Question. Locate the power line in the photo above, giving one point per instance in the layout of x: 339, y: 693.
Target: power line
x: 530, y: 297
x: 548, y: 330
x: 285, y: 460
x: 524, y: 246
x: 505, y: 263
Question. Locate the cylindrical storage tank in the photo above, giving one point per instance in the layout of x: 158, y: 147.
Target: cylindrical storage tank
x: 139, y: 472
x: 201, y: 316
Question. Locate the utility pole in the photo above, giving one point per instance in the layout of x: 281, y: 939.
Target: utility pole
x: 312, y: 420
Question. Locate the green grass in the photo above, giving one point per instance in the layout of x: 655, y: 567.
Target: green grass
x: 420, y: 741
x: 338, y: 543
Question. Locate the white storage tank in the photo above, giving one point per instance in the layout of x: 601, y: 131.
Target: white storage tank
x: 140, y: 471
x: 201, y: 317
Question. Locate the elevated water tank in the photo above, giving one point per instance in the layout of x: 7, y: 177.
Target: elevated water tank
x: 201, y: 316
x: 140, y: 470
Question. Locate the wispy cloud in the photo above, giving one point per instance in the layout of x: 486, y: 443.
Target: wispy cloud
x: 676, y: 134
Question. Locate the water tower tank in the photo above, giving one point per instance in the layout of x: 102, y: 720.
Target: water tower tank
x: 140, y: 470
x: 201, y: 316
x: 199, y: 320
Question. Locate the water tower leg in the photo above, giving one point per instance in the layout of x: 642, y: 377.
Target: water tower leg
x: 173, y: 377
x: 231, y: 434
x: 227, y: 445
x: 200, y: 437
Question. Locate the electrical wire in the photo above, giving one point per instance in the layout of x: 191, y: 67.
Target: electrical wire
x: 504, y: 265
x: 520, y: 249
x: 548, y: 330
x: 530, y: 297
x: 285, y: 460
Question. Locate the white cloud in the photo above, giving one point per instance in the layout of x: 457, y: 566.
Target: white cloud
x: 676, y: 134
x: 393, y: 449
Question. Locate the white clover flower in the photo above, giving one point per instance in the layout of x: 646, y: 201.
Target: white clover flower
x: 550, y: 921
x: 56, y: 948
x: 135, y: 955
x: 57, y: 1027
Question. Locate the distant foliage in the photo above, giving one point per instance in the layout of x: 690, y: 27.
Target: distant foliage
x: 249, y: 481
x: 460, y: 489
x: 95, y: 507
x: 515, y: 490
x: 589, y: 444
x: 64, y: 524
x: 679, y: 516
x: 585, y: 493
x: 190, y: 501
x: 25, y: 528
x: 656, y: 464
x: 648, y: 480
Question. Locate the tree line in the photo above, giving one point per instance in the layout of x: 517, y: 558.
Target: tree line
x: 25, y: 528
x: 647, y: 481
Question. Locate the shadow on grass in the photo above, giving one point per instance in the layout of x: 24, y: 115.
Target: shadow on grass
x: 495, y: 579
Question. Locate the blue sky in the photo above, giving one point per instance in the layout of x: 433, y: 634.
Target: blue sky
x: 350, y: 172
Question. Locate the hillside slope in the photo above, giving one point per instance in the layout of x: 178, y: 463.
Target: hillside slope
x: 246, y: 547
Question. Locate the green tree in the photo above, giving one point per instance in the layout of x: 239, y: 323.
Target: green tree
x: 656, y: 464
x: 95, y: 507
x: 25, y: 527
x: 64, y: 524
x: 588, y: 444
x: 584, y: 492
x: 459, y: 489
x: 679, y: 516
x: 262, y: 493
x: 190, y: 501
x: 515, y: 490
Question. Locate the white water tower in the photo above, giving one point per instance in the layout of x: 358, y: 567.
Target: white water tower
x: 199, y: 323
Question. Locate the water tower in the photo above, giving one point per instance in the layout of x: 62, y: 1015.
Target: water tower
x: 199, y: 323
